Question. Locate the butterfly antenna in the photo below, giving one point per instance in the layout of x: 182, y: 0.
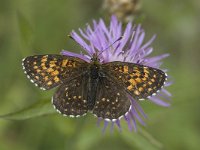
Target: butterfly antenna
x: 111, y: 45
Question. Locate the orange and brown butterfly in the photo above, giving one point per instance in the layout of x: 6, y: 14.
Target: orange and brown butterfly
x: 100, y: 88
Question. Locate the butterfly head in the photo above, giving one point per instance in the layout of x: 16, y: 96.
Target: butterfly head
x: 95, y: 58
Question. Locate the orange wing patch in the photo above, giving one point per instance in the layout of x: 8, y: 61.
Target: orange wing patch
x: 55, y: 73
x: 125, y: 69
x: 64, y: 62
x: 56, y: 79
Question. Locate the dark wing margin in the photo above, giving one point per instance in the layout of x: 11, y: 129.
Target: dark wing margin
x: 138, y: 80
x: 112, y: 101
x: 48, y: 71
x: 70, y: 99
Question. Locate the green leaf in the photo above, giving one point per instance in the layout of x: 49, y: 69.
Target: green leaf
x: 40, y: 108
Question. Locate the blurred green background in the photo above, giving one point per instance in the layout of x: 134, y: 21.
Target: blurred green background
x: 30, y: 27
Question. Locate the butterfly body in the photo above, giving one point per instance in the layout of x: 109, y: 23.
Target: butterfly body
x: 100, y: 88
x: 93, y: 81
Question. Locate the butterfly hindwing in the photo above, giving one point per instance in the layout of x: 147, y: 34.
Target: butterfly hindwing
x: 48, y: 71
x: 71, y: 98
x: 111, y: 100
x: 138, y: 80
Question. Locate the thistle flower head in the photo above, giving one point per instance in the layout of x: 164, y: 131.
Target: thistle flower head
x: 106, y: 42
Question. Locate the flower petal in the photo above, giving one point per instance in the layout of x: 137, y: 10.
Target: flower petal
x: 67, y: 53
x: 158, y: 101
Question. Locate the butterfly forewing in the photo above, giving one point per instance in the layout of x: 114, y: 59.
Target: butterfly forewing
x: 71, y: 98
x: 48, y: 71
x: 111, y: 100
x: 138, y: 80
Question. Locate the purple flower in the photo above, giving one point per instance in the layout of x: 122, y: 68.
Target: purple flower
x: 131, y: 48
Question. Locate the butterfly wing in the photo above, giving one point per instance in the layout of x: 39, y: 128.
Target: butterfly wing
x: 48, y: 71
x: 111, y: 100
x: 71, y: 98
x: 139, y: 81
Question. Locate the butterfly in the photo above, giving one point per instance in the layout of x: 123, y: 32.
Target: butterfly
x: 100, y: 88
